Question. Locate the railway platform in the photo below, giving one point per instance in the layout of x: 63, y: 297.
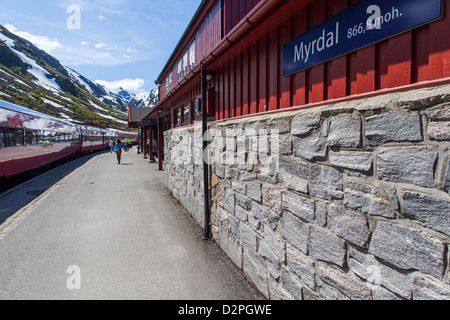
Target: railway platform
x: 95, y: 230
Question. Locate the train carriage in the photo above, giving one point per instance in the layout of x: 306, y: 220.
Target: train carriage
x: 30, y: 139
x: 93, y: 139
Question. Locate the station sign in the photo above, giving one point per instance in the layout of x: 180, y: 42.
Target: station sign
x: 361, y: 24
x: 151, y: 122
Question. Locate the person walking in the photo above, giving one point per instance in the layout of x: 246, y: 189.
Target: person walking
x: 111, y: 145
x: 118, y: 150
x: 127, y: 143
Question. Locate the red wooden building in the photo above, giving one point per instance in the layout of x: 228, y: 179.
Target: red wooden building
x: 240, y: 45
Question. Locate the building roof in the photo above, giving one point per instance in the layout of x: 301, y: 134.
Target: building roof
x: 136, y: 114
x: 197, y: 13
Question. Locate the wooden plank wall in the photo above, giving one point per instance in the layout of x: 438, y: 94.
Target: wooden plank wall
x: 235, y: 11
x: 252, y: 81
x: 209, y: 34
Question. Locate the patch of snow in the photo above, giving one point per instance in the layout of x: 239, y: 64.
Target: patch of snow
x: 39, y: 73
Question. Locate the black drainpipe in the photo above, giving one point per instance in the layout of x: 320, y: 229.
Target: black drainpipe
x: 207, y: 234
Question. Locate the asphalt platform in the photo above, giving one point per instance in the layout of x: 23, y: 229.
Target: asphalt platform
x: 95, y: 230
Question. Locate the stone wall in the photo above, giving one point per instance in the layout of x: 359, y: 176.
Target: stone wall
x: 344, y: 201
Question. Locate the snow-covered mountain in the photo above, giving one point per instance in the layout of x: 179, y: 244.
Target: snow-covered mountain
x: 145, y: 99
x: 32, y: 78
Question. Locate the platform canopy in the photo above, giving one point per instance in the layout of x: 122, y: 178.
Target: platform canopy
x: 136, y: 114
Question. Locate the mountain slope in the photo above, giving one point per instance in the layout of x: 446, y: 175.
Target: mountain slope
x: 145, y: 100
x: 32, y: 78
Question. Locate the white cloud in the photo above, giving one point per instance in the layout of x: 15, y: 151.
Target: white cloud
x: 101, y: 17
x: 131, y: 85
x: 42, y: 42
x: 101, y: 45
x: 85, y: 43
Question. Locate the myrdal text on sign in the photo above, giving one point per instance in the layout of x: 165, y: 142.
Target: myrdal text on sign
x: 362, y: 24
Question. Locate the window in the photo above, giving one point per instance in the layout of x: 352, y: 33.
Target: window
x: 30, y: 137
x: 178, y: 115
x: 186, y: 115
x: 192, y: 57
x: 45, y: 137
x: 180, y: 70
x: 2, y: 138
x: 169, y: 83
x: 73, y: 138
x: 185, y: 64
x: 14, y: 137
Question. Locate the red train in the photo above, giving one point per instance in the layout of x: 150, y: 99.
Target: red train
x: 30, y: 139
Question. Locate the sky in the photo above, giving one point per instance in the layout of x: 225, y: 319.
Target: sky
x: 119, y: 43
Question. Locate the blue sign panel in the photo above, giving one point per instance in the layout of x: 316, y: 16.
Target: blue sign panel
x: 364, y: 23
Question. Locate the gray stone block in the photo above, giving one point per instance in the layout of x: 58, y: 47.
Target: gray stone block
x: 380, y: 293
x: 368, y: 199
x: 345, y: 131
x: 241, y: 213
x: 428, y: 289
x: 234, y: 226
x: 294, y: 231
x: 294, y: 166
x: 255, y: 268
x: 408, y: 249
x: 439, y: 131
x: 302, y: 265
x: 349, y: 225
x: 285, y: 144
x: 277, y: 292
x: 300, y: 206
x: 430, y: 212
x: 447, y: 178
x: 256, y: 225
x: 247, y: 176
x: 248, y: 236
x: 440, y: 112
x: 304, y: 124
x: 260, y: 213
x: 267, y: 253
x: 254, y: 191
x: 321, y: 213
x: 409, y: 165
x: 292, y: 283
x: 243, y: 201
x: 310, y: 148
x: 352, y: 287
x: 326, y: 246
x: 229, y: 201
x: 355, y: 160
x: 377, y: 274
x: 393, y: 125
x: 271, y: 197
x: 276, y: 243
x: 281, y: 124
x: 239, y: 187
x: 231, y: 246
x: 326, y: 183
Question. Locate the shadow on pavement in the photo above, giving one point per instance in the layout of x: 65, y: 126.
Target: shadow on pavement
x: 21, y: 195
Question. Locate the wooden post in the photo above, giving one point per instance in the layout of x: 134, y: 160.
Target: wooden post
x: 152, y: 158
x: 160, y: 144
x: 145, y: 143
